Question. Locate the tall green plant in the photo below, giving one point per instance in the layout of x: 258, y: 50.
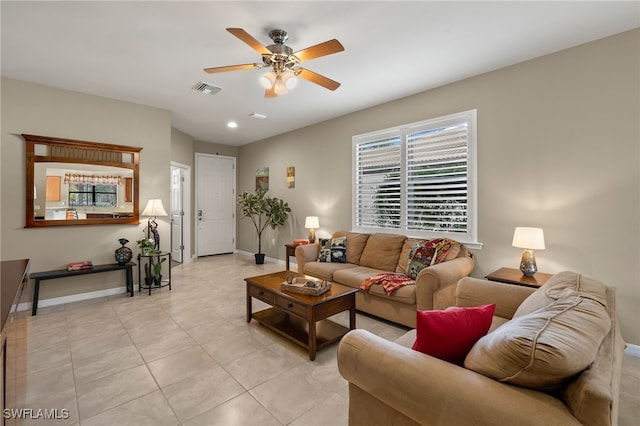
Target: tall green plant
x: 263, y: 211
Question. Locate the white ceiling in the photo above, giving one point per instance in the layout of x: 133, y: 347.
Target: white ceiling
x: 153, y: 53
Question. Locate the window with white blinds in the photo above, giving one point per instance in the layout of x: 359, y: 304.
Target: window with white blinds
x: 418, y: 179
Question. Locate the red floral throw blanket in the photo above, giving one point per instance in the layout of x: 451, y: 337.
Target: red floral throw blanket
x: 390, y: 282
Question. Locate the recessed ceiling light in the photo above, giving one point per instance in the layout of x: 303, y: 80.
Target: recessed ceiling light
x: 232, y: 124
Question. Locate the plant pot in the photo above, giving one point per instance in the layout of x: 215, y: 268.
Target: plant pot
x: 157, y: 280
x: 259, y: 258
x: 148, y: 281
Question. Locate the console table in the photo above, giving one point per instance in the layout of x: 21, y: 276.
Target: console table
x: 61, y: 273
x: 290, y: 251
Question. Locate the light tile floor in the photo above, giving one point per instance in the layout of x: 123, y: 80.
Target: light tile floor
x: 188, y: 357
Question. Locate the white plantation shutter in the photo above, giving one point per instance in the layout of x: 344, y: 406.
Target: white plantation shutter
x: 378, y: 190
x: 437, y: 179
x: 418, y: 180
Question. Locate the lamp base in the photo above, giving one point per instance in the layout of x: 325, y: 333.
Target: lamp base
x: 528, y: 263
x: 312, y: 236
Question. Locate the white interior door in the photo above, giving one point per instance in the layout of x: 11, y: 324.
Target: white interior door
x: 177, y: 213
x: 215, y: 204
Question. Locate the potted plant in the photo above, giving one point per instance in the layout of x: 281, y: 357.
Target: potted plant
x: 263, y: 211
x: 153, y: 271
x: 147, y: 246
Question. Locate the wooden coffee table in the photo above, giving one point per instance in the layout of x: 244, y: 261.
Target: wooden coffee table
x: 300, y: 318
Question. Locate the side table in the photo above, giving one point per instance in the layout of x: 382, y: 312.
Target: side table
x: 290, y: 251
x: 142, y: 284
x: 515, y: 276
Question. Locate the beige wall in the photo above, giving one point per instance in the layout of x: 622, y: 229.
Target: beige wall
x: 41, y: 110
x: 558, y: 148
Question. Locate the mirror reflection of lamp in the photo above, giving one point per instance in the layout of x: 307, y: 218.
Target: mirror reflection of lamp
x: 154, y: 208
x: 312, y: 223
x: 528, y: 239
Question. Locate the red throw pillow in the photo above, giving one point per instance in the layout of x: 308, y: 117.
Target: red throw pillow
x: 450, y: 334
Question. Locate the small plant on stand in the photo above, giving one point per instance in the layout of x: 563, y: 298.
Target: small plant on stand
x: 147, y: 246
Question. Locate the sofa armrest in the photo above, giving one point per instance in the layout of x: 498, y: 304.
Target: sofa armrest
x: 434, y: 392
x: 439, y: 279
x: 306, y: 253
x: 507, y: 297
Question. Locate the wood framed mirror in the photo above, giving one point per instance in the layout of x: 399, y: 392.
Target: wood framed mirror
x: 71, y: 182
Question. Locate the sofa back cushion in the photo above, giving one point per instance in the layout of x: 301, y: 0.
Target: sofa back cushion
x: 553, y: 289
x: 382, y: 251
x: 545, y: 348
x: 355, y: 245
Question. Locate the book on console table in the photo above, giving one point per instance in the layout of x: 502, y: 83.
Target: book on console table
x: 79, y: 266
x: 300, y: 242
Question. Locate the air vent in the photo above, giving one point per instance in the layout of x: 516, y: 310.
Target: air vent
x: 206, y: 88
x: 258, y: 116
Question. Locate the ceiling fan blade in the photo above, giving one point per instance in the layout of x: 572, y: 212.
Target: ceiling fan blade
x: 318, y: 79
x: 232, y: 68
x: 247, y: 38
x: 322, y: 49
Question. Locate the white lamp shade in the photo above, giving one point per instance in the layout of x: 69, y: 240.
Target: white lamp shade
x: 154, y: 208
x: 528, y: 238
x: 267, y: 80
x: 311, y: 222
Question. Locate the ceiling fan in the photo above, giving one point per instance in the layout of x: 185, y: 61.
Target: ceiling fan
x: 283, y: 61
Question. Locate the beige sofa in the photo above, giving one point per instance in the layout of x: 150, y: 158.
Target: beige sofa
x: 372, y: 254
x: 389, y: 383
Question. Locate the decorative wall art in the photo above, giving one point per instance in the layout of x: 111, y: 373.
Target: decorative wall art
x: 262, y: 179
x: 291, y: 177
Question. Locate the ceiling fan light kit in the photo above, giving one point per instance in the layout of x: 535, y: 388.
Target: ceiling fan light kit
x: 283, y: 61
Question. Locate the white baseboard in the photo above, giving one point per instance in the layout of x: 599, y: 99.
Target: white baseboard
x: 633, y: 350
x: 266, y: 259
x: 43, y: 303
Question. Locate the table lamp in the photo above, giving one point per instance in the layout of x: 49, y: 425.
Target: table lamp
x: 154, y: 208
x: 528, y: 239
x: 312, y: 223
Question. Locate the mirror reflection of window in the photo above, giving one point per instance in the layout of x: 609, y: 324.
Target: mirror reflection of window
x: 86, y: 194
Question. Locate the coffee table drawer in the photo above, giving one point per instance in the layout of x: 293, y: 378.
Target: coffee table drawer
x: 261, y: 294
x: 291, y: 306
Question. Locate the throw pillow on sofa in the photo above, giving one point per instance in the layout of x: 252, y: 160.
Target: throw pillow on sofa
x: 333, y: 250
x: 339, y: 250
x: 420, y: 257
x: 325, y: 250
x: 431, y: 252
x: 450, y: 334
x: 545, y: 348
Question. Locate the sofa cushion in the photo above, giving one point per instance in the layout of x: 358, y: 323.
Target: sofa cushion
x: 382, y: 251
x: 352, y: 277
x: 325, y: 270
x: 544, y: 348
x: 389, y: 281
x: 582, y: 285
x: 355, y: 244
x: 450, y: 334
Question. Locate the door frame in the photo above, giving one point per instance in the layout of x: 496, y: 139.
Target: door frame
x: 195, y: 198
x: 186, y: 207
